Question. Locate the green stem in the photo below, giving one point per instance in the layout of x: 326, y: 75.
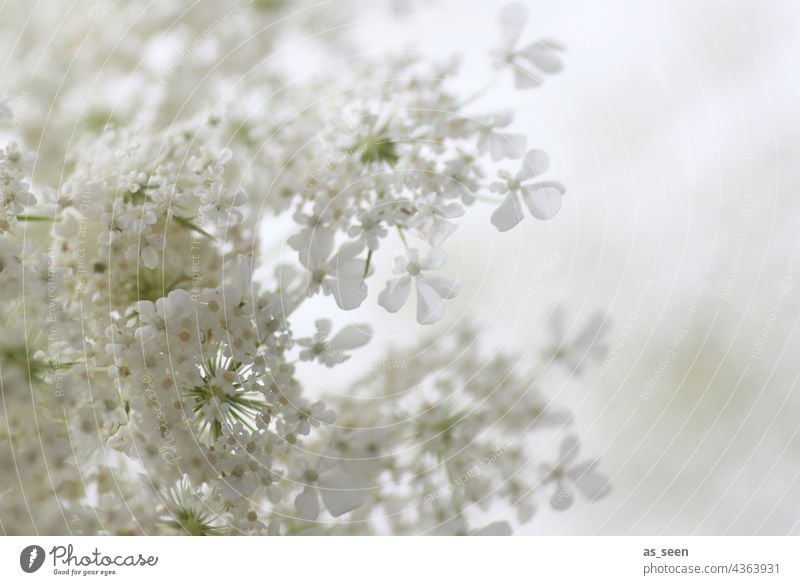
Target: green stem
x: 187, y: 223
x: 366, y: 265
x: 26, y: 217
x: 402, y: 237
x: 481, y: 91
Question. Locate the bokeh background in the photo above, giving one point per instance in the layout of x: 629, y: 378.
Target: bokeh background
x: 675, y: 128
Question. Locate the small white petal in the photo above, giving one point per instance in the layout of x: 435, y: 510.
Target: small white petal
x: 179, y: 304
x: 395, y: 295
x: 525, y: 511
x: 67, y: 227
x: 339, y: 494
x: 146, y: 310
x: 352, y: 337
x: 324, y: 327
x: 508, y: 214
x: 435, y: 258
x: 438, y: 231
x: 543, y: 199
x: 570, y: 448
x: 307, y: 503
x: 507, y: 146
x: 562, y: 499
x: 351, y: 269
x: 526, y: 79
x: 451, y: 210
x: 348, y: 293
x: 513, y: 17
x: 149, y: 257
x: 544, y: 56
x: 589, y: 482
x: 430, y: 307
x: 445, y: 287
x: 535, y: 163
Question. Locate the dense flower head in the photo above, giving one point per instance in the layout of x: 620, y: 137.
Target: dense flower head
x: 149, y: 324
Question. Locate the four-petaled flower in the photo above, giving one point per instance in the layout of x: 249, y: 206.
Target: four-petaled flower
x: 569, y: 476
x: 587, y: 344
x: 431, y: 289
x: 543, y: 198
x: 332, y: 351
x: 340, y: 275
x: 336, y: 487
x: 531, y: 62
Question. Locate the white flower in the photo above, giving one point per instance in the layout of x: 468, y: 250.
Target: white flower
x: 431, y: 219
x: 317, y: 414
x: 197, y: 379
x: 586, y: 344
x: 156, y: 316
x: 332, y: 352
x: 15, y: 193
x: 340, y: 275
x: 431, y: 289
x: 337, y: 488
x: 222, y: 207
x: 543, y: 199
x: 566, y: 475
x: 318, y: 228
x: 500, y: 144
x: 369, y: 229
x: 531, y: 62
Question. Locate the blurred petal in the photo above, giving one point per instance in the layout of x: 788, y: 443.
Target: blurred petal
x: 570, y: 447
x: 535, y: 163
x: 445, y: 287
x: 352, y: 336
x: 324, y: 327
x: 348, y: 293
x: 307, y: 503
x: 395, y: 294
x: 451, y: 210
x: 562, y: 499
x: 590, y: 483
x: 435, y: 258
x: 524, y: 79
x: 525, y: 511
x: 513, y: 17
x: 544, y: 56
x: 507, y: 146
x: 339, y: 494
x: 543, y: 199
x: 508, y: 214
x: 430, y: 307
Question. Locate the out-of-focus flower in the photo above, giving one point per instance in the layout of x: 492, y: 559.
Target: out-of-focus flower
x: 575, y: 351
x: 569, y: 476
x: 533, y: 61
x: 543, y: 198
x: 432, y: 290
x: 332, y: 351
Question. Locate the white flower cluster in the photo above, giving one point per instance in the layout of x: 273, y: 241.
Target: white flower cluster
x: 15, y: 193
x: 151, y: 383
x: 432, y: 446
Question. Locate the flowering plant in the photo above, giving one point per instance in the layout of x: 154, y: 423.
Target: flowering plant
x: 149, y: 364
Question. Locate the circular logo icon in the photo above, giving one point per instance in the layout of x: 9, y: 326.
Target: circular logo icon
x: 31, y: 558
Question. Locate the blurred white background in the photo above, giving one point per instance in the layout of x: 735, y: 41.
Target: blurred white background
x: 674, y: 127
